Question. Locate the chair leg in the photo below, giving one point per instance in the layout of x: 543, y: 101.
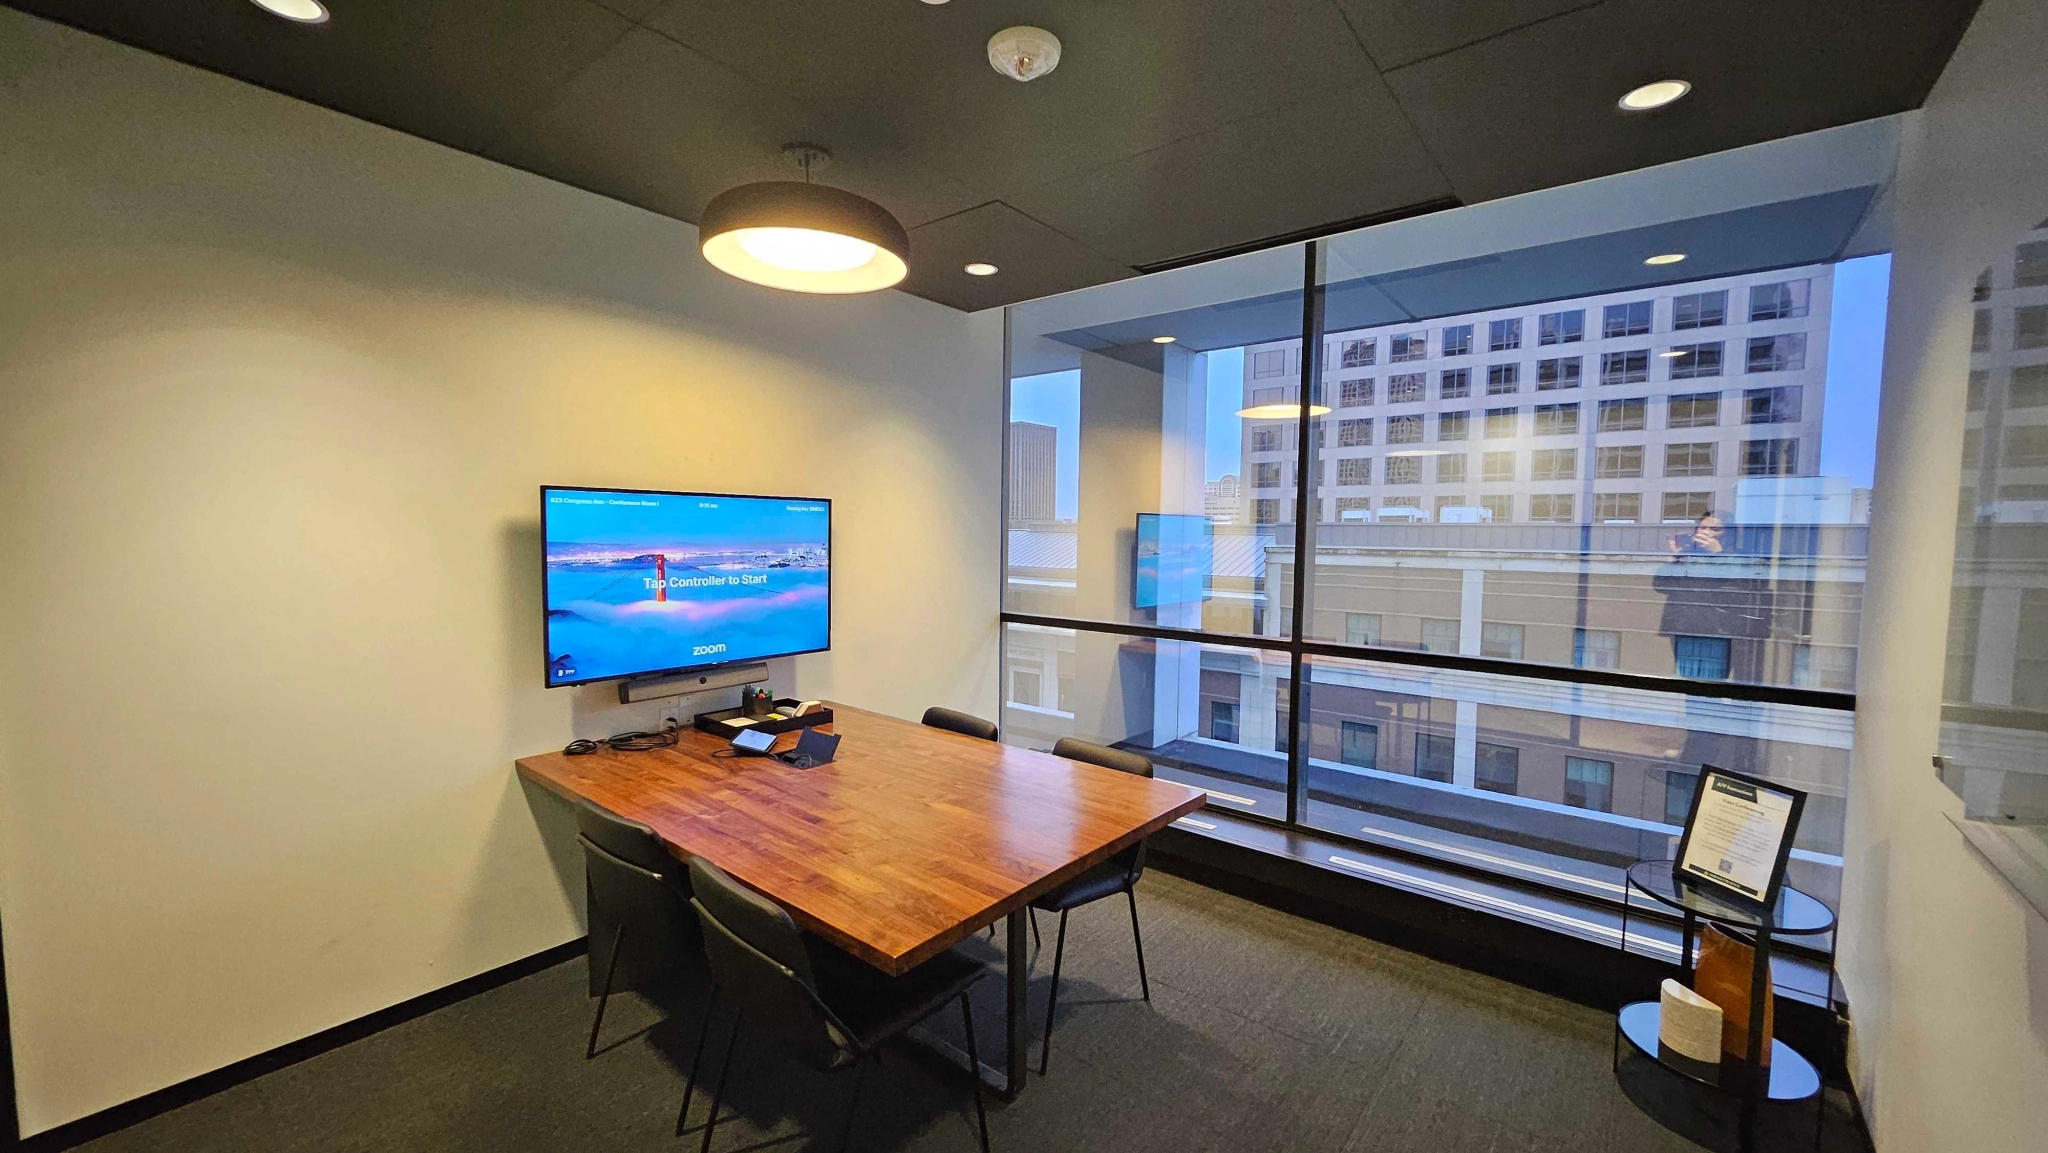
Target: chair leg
x: 696, y: 1061
x: 860, y: 1077
x: 610, y: 968
x: 1059, y: 951
x: 974, y: 1067
x: 1037, y: 942
x: 718, y: 1087
x: 1138, y: 939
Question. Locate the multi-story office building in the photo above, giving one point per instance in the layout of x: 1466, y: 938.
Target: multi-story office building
x: 1223, y: 499
x: 1034, y: 471
x: 1651, y: 406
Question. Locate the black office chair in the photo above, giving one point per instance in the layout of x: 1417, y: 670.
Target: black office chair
x: 955, y: 721
x: 831, y: 1009
x: 638, y: 897
x: 1119, y: 874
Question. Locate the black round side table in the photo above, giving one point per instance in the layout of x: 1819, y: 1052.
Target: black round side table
x: 1795, y: 914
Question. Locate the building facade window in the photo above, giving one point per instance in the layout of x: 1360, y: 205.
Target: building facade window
x: 1631, y: 319
x: 1439, y: 635
x: 1404, y: 470
x: 1557, y: 420
x: 1551, y: 507
x: 1776, y: 457
x: 1453, y: 425
x: 1353, y: 433
x: 1458, y: 340
x: 1497, y: 768
x: 1450, y: 468
x: 1553, y: 464
x: 1355, y: 393
x: 1618, y: 462
x: 1497, y: 466
x: 1500, y: 508
x: 1780, y: 301
x: 1691, y: 459
x: 2030, y: 326
x: 1358, y: 353
x: 1455, y: 383
x: 1625, y: 367
x: 1696, y: 360
x: 1361, y: 628
x: 1349, y: 505
x: 1265, y: 511
x: 1596, y: 648
x: 1561, y: 372
x: 1980, y: 331
x: 1699, y: 309
x: 1223, y: 721
x: 1686, y: 507
x: 1359, y: 744
x: 1501, y: 423
x: 1589, y: 784
x: 1695, y: 410
x: 1701, y: 658
x: 1354, y: 470
x: 1405, y: 388
x: 1408, y: 346
x: 1678, y: 790
x: 1503, y: 335
x: 1618, y: 507
x: 1404, y: 429
x: 1269, y: 363
x: 2030, y: 264
x: 1503, y: 378
x: 1779, y: 405
x: 1781, y: 353
x: 1501, y: 641
x: 1266, y: 439
x: 1561, y: 327
x: 1436, y: 757
x: 1627, y: 415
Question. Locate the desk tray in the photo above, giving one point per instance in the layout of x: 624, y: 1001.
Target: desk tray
x: 718, y: 724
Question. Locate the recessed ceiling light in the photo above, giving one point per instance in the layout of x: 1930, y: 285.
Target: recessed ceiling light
x: 979, y: 267
x: 297, y: 11
x: 1280, y: 411
x: 1654, y: 95
x: 1421, y: 452
x: 1665, y: 258
x: 1162, y: 340
x: 1676, y: 352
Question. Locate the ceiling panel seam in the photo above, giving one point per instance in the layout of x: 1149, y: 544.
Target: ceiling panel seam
x: 1494, y: 36
x: 1420, y: 140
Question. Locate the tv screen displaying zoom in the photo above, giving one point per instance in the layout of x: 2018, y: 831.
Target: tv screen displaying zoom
x: 647, y: 582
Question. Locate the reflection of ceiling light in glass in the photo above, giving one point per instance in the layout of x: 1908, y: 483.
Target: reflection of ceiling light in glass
x: 1162, y: 340
x: 298, y: 11
x: 1280, y: 411
x: 1024, y: 52
x: 1654, y: 95
x: 1675, y: 352
x: 980, y: 268
x: 1421, y: 452
x: 1664, y: 258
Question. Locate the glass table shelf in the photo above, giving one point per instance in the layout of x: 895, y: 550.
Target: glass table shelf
x: 1793, y: 1077
x: 1794, y: 914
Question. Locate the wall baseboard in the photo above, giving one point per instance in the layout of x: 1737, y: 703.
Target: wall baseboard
x: 74, y: 1133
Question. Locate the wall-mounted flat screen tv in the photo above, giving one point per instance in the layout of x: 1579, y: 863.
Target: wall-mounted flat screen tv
x: 1176, y: 557
x: 655, y: 582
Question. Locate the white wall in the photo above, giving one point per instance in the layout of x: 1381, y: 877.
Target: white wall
x: 1946, y: 968
x: 276, y: 390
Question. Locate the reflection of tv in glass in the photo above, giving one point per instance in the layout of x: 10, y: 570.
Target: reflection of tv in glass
x: 652, y: 582
x: 1176, y: 555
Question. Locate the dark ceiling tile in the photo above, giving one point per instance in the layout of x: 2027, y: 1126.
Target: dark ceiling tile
x: 1535, y: 108
x: 1031, y: 259
x: 1344, y: 154
x: 1132, y: 76
x: 1399, y: 32
x: 460, y: 72
x: 658, y: 125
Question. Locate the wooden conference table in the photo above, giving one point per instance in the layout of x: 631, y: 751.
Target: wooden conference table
x: 910, y: 841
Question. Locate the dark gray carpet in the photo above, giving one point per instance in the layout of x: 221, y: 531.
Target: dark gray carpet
x: 1265, y: 1032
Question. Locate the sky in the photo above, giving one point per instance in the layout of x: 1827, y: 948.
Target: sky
x: 1848, y: 416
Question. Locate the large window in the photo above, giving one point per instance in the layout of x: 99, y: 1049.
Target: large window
x: 1418, y: 614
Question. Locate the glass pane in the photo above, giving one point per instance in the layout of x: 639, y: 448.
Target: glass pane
x: 1154, y: 426
x: 1670, y: 479
x: 1208, y: 715
x: 1556, y: 784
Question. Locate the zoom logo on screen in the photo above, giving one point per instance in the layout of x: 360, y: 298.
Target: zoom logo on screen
x: 706, y: 650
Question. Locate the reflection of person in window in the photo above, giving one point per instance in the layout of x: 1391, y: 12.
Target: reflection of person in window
x: 1703, y: 540
x: 1702, y: 598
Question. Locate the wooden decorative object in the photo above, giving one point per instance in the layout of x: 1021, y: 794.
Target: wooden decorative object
x: 1722, y: 976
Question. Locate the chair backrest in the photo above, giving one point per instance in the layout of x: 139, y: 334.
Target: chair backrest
x: 1075, y: 749
x: 955, y: 721
x: 632, y: 881
x: 759, y: 960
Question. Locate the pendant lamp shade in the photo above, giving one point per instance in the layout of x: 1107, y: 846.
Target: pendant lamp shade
x: 804, y: 238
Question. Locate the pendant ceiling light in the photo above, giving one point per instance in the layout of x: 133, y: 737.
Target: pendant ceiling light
x: 804, y: 237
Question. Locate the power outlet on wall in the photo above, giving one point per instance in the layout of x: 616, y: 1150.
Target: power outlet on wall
x: 672, y: 715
